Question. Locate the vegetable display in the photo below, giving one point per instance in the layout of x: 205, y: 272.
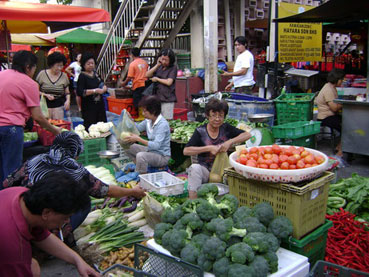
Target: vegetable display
x: 348, y: 241
x: 351, y: 194
x: 94, y: 131
x: 219, y: 236
x: 276, y: 157
x: 30, y: 136
x: 102, y: 173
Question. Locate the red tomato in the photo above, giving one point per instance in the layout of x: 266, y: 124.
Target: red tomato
x: 307, y: 165
x: 295, y: 152
x: 268, y: 150
x: 288, y: 152
x: 304, y: 154
x: 274, y: 166
x: 253, y: 150
x: 291, y: 148
x: 268, y: 156
x: 297, y: 156
x: 263, y: 166
x: 254, y: 156
x: 260, y: 160
x: 275, y: 159
x: 319, y: 159
x: 244, y: 151
x: 309, y: 159
x: 292, y: 160
x: 251, y: 163
x: 268, y: 162
x: 300, y: 164
x: 276, y: 149
x: 314, y: 164
x: 285, y: 165
x: 283, y: 158
x: 243, y: 160
x: 292, y: 166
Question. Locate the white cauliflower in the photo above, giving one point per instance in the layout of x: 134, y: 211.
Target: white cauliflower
x: 79, y: 128
x: 94, y: 134
x: 93, y: 128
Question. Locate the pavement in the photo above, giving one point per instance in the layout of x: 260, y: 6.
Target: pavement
x: 357, y: 163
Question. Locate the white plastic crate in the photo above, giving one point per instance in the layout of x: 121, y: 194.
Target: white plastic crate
x: 162, y: 183
x: 290, y: 264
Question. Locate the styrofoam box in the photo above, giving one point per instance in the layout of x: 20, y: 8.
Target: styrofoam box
x: 173, y: 185
x: 290, y: 264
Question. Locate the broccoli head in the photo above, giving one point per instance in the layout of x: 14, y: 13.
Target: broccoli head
x: 233, y: 240
x: 257, y: 242
x: 237, y: 270
x: 272, y: 259
x: 223, y: 228
x: 199, y: 240
x: 190, y: 253
x: 260, y: 266
x: 214, y: 248
x: 272, y: 241
x: 220, y: 267
x: 264, y: 212
x: 204, y: 263
x: 160, y: 230
x: 281, y: 227
x: 208, y: 192
x: 241, y: 213
x: 227, y: 205
x: 207, y: 211
x: 251, y: 224
x: 174, y: 240
x: 191, y: 222
x: 171, y: 215
x: 240, y: 253
x: 190, y: 205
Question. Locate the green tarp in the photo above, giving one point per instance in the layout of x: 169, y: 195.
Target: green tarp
x: 87, y: 37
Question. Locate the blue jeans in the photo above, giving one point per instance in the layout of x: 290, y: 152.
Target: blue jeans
x: 11, y: 150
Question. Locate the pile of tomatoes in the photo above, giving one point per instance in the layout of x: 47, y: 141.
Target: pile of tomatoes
x: 277, y: 157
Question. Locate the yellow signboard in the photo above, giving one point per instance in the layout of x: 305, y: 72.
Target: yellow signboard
x: 298, y: 42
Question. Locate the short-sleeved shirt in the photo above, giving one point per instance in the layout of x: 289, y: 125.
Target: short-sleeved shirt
x: 16, y: 236
x: 244, y: 60
x: 137, y: 70
x: 327, y: 94
x: 201, y: 138
x: 57, y: 88
x: 166, y: 94
x: 18, y: 93
x: 77, y: 70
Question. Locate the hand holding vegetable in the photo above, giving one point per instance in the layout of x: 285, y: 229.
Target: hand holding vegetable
x: 137, y: 192
x: 132, y: 138
x: 225, y: 146
x: 214, y: 149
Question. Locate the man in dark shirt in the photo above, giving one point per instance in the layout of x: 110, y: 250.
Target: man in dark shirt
x: 208, y: 140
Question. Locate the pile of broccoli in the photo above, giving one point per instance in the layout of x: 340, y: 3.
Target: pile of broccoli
x: 219, y: 236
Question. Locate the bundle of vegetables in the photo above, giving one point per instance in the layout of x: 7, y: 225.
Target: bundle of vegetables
x: 183, y: 130
x: 126, y: 204
x: 348, y: 241
x: 102, y: 173
x: 351, y: 194
x: 30, y: 136
x: 222, y: 237
x: 168, y: 200
x: 94, y: 131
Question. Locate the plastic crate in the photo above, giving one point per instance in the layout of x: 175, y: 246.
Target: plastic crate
x: 293, y: 107
x: 47, y: 138
x: 180, y: 113
x: 304, y: 203
x: 323, y: 268
x: 296, y: 129
x: 312, y: 245
x: 172, y: 186
x: 89, y: 155
x: 117, y: 105
x: 308, y: 141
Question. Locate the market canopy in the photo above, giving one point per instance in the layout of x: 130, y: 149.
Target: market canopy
x: 332, y: 11
x: 35, y: 17
x: 84, y: 36
x: 30, y: 39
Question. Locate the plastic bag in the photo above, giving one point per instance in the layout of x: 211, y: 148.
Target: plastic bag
x: 153, y: 210
x: 43, y: 106
x: 125, y: 127
x: 220, y: 163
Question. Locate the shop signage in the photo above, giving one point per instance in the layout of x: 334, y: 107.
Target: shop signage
x: 298, y: 42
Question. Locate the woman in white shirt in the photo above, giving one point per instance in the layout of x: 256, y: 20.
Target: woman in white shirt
x: 74, y: 69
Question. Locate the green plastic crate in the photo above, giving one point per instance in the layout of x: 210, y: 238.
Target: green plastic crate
x: 308, y: 141
x: 323, y: 268
x: 292, y: 107
x: 91, y: 148
x: 311, y: 245
x: 296, y: 129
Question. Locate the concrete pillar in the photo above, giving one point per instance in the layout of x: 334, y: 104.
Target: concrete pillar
x: 197, y: 37
x: 211, y: 45
x: 239, y: 20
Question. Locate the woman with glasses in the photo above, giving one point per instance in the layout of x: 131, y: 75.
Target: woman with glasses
x: 54, y: 85
x: 208, y: 140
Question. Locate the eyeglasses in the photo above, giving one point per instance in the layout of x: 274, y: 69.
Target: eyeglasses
x: 217, y: 116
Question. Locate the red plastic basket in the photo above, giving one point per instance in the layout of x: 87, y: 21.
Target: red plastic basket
x: 46, y: 138
x: 117, y: 105
x: 180, y: 113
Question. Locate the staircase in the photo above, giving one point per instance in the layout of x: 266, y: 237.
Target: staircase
x: 150, y: 24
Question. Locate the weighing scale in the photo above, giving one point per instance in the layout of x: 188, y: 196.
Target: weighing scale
x: 260, y: 135
x: 109, y: 155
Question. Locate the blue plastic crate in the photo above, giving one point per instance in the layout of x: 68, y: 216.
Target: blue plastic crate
x: 242, y: 96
